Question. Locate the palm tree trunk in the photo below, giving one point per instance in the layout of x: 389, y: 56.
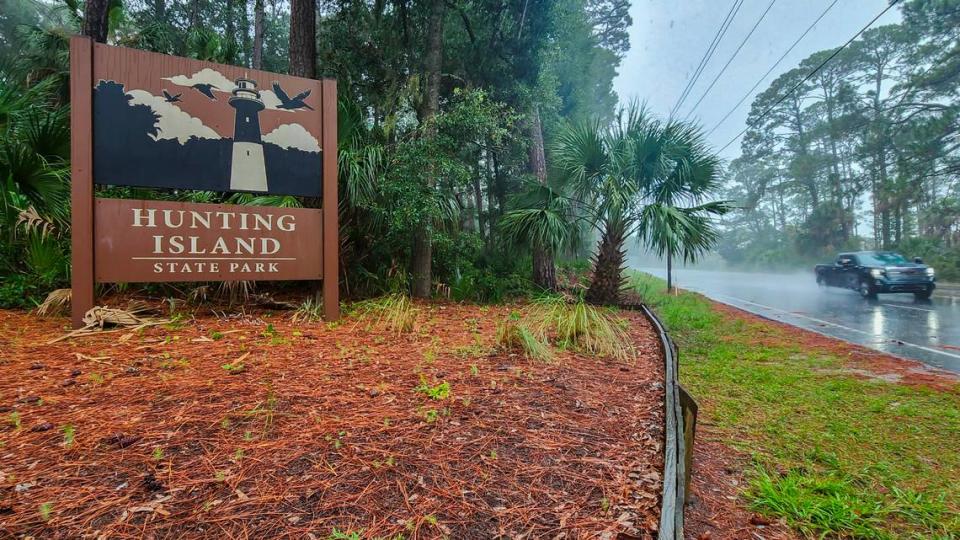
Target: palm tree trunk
x: 422, y: 253
x: 303, y: 38
x: 95, y: 19
x: 669, y: 271
x: 544, y: 273
x: 608, y: 265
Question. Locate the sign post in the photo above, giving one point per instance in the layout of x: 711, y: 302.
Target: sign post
x: 150, y: 120
x: 81, y: 177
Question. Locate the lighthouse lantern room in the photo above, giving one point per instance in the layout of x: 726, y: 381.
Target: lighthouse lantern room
x: 247, y: 170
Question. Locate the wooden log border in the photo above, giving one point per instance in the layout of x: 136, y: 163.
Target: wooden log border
x: 681, y: 420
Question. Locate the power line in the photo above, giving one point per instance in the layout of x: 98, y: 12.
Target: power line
x: 734, y: 55
x: 708, y: 54
x: 717, y: 37
x: 773, y: 67
x: 811, y: 74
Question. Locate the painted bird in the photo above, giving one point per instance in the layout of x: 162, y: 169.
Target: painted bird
x: 171, y: 99
x: 205, y: 89
x: 291, y: 104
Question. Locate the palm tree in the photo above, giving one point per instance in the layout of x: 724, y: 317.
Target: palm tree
x: 633, y: 176
x: 666, y: 224
x: 542, y: 218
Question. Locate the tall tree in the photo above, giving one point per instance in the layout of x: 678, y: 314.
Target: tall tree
x: 303, y: 38
x: 96, y: 18
x: 422, y: 253
x: 544, y: 272
x: 257, y: 53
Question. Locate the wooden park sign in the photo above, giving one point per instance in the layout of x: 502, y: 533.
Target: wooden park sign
x: 155, y: 121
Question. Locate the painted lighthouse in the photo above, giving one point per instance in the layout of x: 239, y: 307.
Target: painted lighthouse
x: 247, y: 170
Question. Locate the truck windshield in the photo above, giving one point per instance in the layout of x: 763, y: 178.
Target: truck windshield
x: 882, y: 258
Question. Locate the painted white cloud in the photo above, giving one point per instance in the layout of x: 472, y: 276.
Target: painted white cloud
x: 204, y: 76
x: 270, y: 100
x: 292, y: 136
x: 173, y: 122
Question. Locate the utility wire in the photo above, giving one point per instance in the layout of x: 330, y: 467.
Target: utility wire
x: 717, y: 37
x: 811, y: 74
x: 773, y: 67
x: 734, y: 55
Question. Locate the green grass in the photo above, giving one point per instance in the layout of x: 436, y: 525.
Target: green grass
x: 833, y: 454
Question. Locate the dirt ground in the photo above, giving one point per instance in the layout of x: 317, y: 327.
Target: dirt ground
x: 252, y: 426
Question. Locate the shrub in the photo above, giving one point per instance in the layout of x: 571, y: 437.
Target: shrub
x: 512, y: 334
x: 581, y: 326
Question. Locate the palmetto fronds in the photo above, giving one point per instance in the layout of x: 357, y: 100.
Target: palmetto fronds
x: 543, y: 218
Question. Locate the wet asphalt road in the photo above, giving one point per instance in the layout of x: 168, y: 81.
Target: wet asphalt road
x: 928, y: 331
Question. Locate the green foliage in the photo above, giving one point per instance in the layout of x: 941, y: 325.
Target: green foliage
x: 437, y: 392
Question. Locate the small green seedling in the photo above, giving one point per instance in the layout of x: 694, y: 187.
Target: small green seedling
x: 437, y: 392
x: 46, y: 509
x: 157, y: 453
x: 68, y: 435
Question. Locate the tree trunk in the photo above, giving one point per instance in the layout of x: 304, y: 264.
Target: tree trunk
x: 544, y: 273
x: 608, y: 265
x: 303, y: 38
x: 96, y: 19
x: 478, y: 203
x: 669, y: 271
x: 231, y: 32
x: 257, y: 61
x: 422, y: 254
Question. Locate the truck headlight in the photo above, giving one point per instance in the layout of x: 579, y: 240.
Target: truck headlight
x: 876, y: 272
x: 930, y: 272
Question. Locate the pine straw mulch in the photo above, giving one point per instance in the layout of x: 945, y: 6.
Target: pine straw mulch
x: 320, y: 427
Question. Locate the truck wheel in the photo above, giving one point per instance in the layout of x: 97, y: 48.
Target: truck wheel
x: 925, y: 295
x: 867, y: 290
x: 821, y: 282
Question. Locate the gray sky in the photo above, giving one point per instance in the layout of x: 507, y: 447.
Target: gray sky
x: 668, y: 38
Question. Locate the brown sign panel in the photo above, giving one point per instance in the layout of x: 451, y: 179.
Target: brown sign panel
x: 154, y: 241
x: 144, y: 119
x: 171, y: 122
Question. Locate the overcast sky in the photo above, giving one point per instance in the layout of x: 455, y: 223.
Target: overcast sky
x: 669, y: 37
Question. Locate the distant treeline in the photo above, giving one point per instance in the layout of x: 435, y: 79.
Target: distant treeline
x: 863, y: 154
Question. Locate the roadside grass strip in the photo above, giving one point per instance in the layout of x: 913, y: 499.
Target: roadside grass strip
x: 833, y: 454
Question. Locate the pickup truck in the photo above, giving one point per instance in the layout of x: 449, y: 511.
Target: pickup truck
x: 873, y: 272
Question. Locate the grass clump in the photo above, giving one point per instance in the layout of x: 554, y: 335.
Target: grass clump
x: 583, y: 327
x: 309, y: 311
x: 512, y: 334
x: 395, y: 312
